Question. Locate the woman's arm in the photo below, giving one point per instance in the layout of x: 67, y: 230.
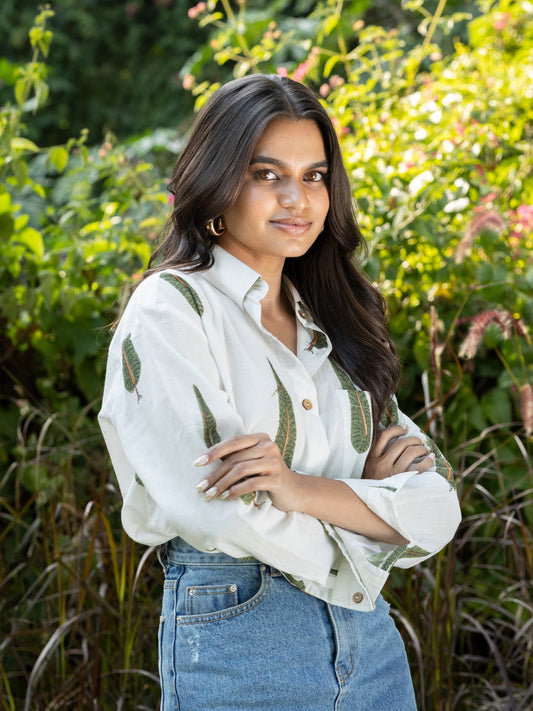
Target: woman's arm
x: 254, y: 463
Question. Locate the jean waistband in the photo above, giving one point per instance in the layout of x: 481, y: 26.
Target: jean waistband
x: 179, y: 552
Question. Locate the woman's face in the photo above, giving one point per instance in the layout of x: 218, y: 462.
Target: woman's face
x: 284, y: 199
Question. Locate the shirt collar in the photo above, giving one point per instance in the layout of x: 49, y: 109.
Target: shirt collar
x: 239, y: 281
x: 235, y: 278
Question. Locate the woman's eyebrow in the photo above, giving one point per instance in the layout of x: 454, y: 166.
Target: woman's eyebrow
x: 281, y: 164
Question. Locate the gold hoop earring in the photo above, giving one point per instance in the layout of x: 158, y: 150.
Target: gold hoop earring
x: 216, y: 226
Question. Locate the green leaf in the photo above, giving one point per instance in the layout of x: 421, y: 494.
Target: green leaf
x: 131, y: 366
x: 20, y: 169
x: 330, y: 24
x: 331, y: 62
x: 286, y: 434
x: 31, y: 239
x: 188, y: 292
x: 496, y: 406
x: 6, y: 225
x: 211, y: 435
x: 24, y: 144
x: 360, y: 413
x: 58, y: 156
x: 20, y: 91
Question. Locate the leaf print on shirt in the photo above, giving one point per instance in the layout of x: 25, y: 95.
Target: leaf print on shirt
x: 293, y: 581
x: 211, y: 435
x: 415, y: 552
x: 186, y: 289
x: 361, y: 417
x: 390, y: 415
x: 441, y: 464
x: 386, y: 559
x: 131, y: 366
x: 319, y: 341
x: 286, y: 435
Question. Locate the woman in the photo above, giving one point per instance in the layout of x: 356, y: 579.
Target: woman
x: 250, y: 418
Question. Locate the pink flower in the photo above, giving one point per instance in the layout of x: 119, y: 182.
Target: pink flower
x: 504, y: 320
x: 196, y: 10
x: 324, y: 90
x: 301, y: 71
x: 335, y: 80
x: 459, y: 128
x: 501, y: 21
x: 282, y: 71
x: 188, y: 81
x: 483, y: 221
x: 525, y: 214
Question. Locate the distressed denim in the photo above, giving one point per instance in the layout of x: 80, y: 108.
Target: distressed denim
x: 235, y: 635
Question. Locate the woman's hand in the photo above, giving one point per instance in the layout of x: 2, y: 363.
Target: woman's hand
x: 250, y: 463
x: 394, y: 453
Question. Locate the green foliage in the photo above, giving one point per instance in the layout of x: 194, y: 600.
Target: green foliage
x: 436, y: 131
x: 75, y: 224
x: 115, y: 66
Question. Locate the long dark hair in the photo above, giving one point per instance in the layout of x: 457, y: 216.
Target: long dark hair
x: 207, y: 180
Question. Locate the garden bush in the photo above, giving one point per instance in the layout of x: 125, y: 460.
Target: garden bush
x: 437, y: 137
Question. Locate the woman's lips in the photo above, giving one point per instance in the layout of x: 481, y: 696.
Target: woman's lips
x: 292, y: 225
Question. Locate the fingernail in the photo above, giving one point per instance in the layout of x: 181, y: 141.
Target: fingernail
x: 224, y: 495
x: 201, y: 460
x: 202, y: 486
x: 210, y: 493
x: 432, y: 456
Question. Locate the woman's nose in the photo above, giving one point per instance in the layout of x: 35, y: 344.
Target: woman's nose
x: 293, y: 195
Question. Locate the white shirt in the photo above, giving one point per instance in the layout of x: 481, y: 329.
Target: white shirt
x: 190, y: 363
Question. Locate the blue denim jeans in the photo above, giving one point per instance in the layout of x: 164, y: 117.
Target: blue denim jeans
x: 234, y: 635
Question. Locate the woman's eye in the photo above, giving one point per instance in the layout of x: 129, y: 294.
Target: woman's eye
x: 315, y: 176
x: 265, y: 174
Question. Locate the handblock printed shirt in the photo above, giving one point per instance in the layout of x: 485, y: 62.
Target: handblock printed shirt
x: 190, y: 364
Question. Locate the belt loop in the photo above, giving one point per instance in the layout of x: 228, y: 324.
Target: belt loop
x: 162, y: 556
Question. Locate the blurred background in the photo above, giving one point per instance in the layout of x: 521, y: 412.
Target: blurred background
x: 433, y: 104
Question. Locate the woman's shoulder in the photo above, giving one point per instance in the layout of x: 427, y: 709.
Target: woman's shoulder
x: 171, y: 287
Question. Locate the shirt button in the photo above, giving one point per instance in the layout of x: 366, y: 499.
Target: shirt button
x: 357, y: 597
x: 307, y: 404
x: 302, y: 313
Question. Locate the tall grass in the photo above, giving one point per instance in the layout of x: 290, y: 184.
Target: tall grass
x: 79, y: 600
x: 467, y: 617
